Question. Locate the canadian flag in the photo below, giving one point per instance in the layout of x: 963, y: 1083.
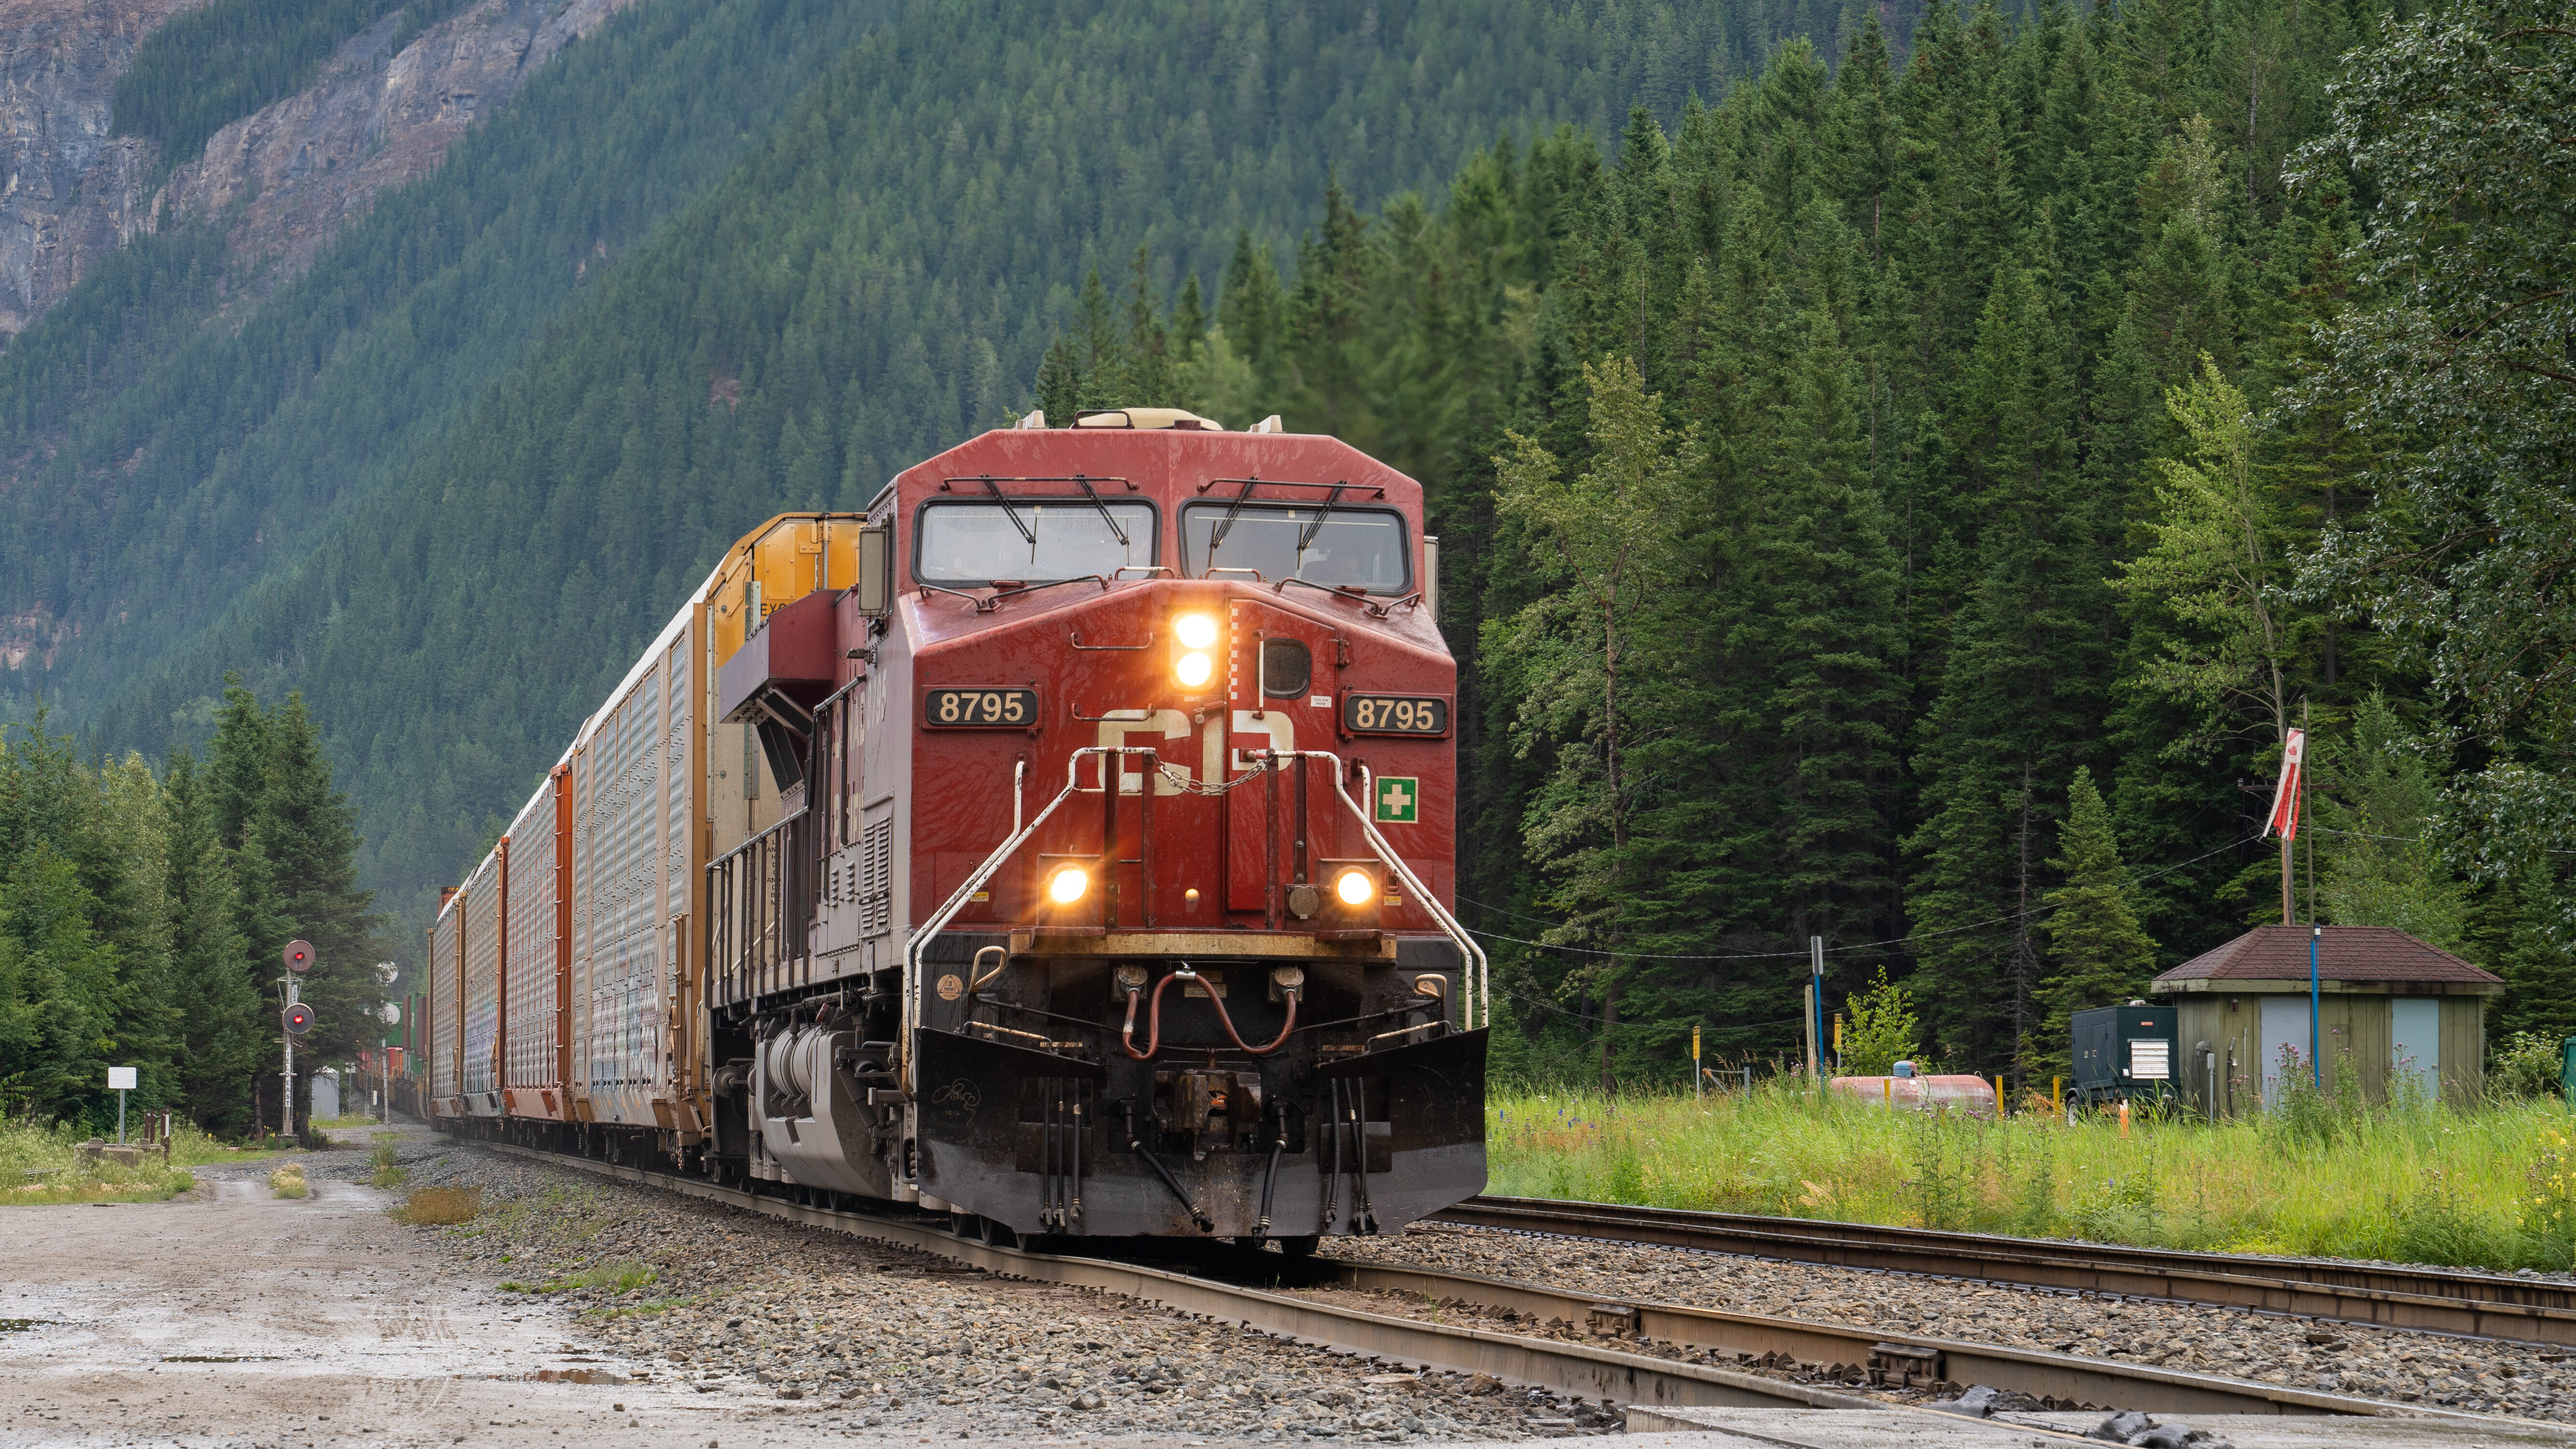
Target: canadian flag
x: 2285, y: 796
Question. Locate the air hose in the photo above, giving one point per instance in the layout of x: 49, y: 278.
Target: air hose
x: 1154, y: 1027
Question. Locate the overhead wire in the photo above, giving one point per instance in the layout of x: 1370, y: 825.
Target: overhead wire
x: 1829, y: 950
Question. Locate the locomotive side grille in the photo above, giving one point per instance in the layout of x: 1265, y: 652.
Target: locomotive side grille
x: 876, y: 871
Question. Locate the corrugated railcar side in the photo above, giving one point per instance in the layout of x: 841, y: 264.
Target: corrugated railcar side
x: 534, y: 953
x: 442, y: 1005
x: 632, y: 863
x: 484, y: 910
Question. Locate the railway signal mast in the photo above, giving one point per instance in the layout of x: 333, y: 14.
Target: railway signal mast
x: 297, y: 1019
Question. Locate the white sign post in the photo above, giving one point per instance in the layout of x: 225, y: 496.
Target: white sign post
x: 120, y: 1080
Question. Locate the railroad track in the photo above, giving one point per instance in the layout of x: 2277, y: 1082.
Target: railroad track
x: 2471, y: 1305
x: 1848, y: 1368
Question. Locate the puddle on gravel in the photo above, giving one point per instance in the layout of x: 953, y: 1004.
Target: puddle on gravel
x: 220, y: 1357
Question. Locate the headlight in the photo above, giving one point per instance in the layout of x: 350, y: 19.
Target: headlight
x: 1355, y: 887
x: 1067, y: 885
x: 1197, y: 631
x: 1194, y: 669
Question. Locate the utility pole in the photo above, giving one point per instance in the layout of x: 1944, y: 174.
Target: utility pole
x: 1816, y: 1007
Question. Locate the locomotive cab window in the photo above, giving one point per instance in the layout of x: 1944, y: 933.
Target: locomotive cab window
x: 1320, y: 544
x: 971, y: 544
x: 1287, y: 667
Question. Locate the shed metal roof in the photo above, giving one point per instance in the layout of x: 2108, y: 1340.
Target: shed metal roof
x: 2346, y: 953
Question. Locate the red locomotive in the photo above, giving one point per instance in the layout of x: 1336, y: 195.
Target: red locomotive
x: 1065, y: 842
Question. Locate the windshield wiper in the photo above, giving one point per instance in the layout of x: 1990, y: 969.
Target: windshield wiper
x: 1012, y: 514
x: 1114, y: 530
x: 1231, y: 510
x: 1323, y: 511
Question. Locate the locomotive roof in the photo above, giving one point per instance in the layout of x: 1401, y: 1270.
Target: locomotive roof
x: 2376, y: 954
x: 1162, y: 456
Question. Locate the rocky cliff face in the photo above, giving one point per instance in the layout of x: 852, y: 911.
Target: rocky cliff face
x: 373, y: 119
x: 299, y: 169
x: 72, y: 193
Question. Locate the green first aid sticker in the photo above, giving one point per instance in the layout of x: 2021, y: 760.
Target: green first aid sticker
x: 1399, y: 800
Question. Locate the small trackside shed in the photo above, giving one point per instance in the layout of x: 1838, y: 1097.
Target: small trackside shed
x: 2389, y: 1006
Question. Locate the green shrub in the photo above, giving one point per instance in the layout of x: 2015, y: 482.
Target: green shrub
x: 2525, y: 1066
x: 1883, y: 1029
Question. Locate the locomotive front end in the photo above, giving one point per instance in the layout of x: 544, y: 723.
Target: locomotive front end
x: 1131, y: 844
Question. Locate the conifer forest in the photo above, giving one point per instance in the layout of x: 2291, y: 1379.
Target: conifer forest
x: 1902, y: 470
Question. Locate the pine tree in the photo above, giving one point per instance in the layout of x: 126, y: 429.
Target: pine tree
x: 306, y: 833
x: 1150, y: 379
x: 2022, y: 688
x: 234, y: 786
x: 1060, y: 384
x: 221, y: 1040
x: 1828, y: 583
x: 1611, y: 536
x: 1101, y: 349
x: 2374, y: 799
x: 237, y: 762
x: 2098, y: 953
x: 132, y: 916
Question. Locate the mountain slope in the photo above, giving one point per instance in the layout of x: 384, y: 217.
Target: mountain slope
x: 877, y: 278
x: 160, y: 465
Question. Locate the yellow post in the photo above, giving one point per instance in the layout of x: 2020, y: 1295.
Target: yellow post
x: 2057, y: 1096
x: 1887, y: 1089
x: 1999, y: 1095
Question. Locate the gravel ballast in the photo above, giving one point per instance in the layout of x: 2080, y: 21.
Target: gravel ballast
x: 2415, y: 1368
x: 787, y: 1321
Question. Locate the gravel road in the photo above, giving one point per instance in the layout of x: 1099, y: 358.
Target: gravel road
x: 2514, y: 1379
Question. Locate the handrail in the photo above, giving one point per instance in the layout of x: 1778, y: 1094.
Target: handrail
x: 1000, y: 593
x: 1357, y: 592
x: 915, y: 965
x: 1481, y: 1007
x: 1076, y: 636
x: 751, y: 840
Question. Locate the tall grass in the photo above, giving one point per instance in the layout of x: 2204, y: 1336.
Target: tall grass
x: 2488, y: 1188
x: 38, y: 1167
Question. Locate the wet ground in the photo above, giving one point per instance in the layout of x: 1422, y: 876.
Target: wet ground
x: 578, y: 1311
x: 236, y: 1317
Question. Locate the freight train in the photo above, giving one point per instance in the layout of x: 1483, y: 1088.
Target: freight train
x: 1066, y: 842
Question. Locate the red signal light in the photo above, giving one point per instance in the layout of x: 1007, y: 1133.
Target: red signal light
x: 299, y: 955
x: 299, y: 1019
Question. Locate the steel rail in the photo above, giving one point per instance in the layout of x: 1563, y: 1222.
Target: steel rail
x: 2470, y: 1305
x: 1592, y: 1369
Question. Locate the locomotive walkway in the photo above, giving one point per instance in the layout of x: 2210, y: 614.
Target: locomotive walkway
x: 2430, y: 1300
